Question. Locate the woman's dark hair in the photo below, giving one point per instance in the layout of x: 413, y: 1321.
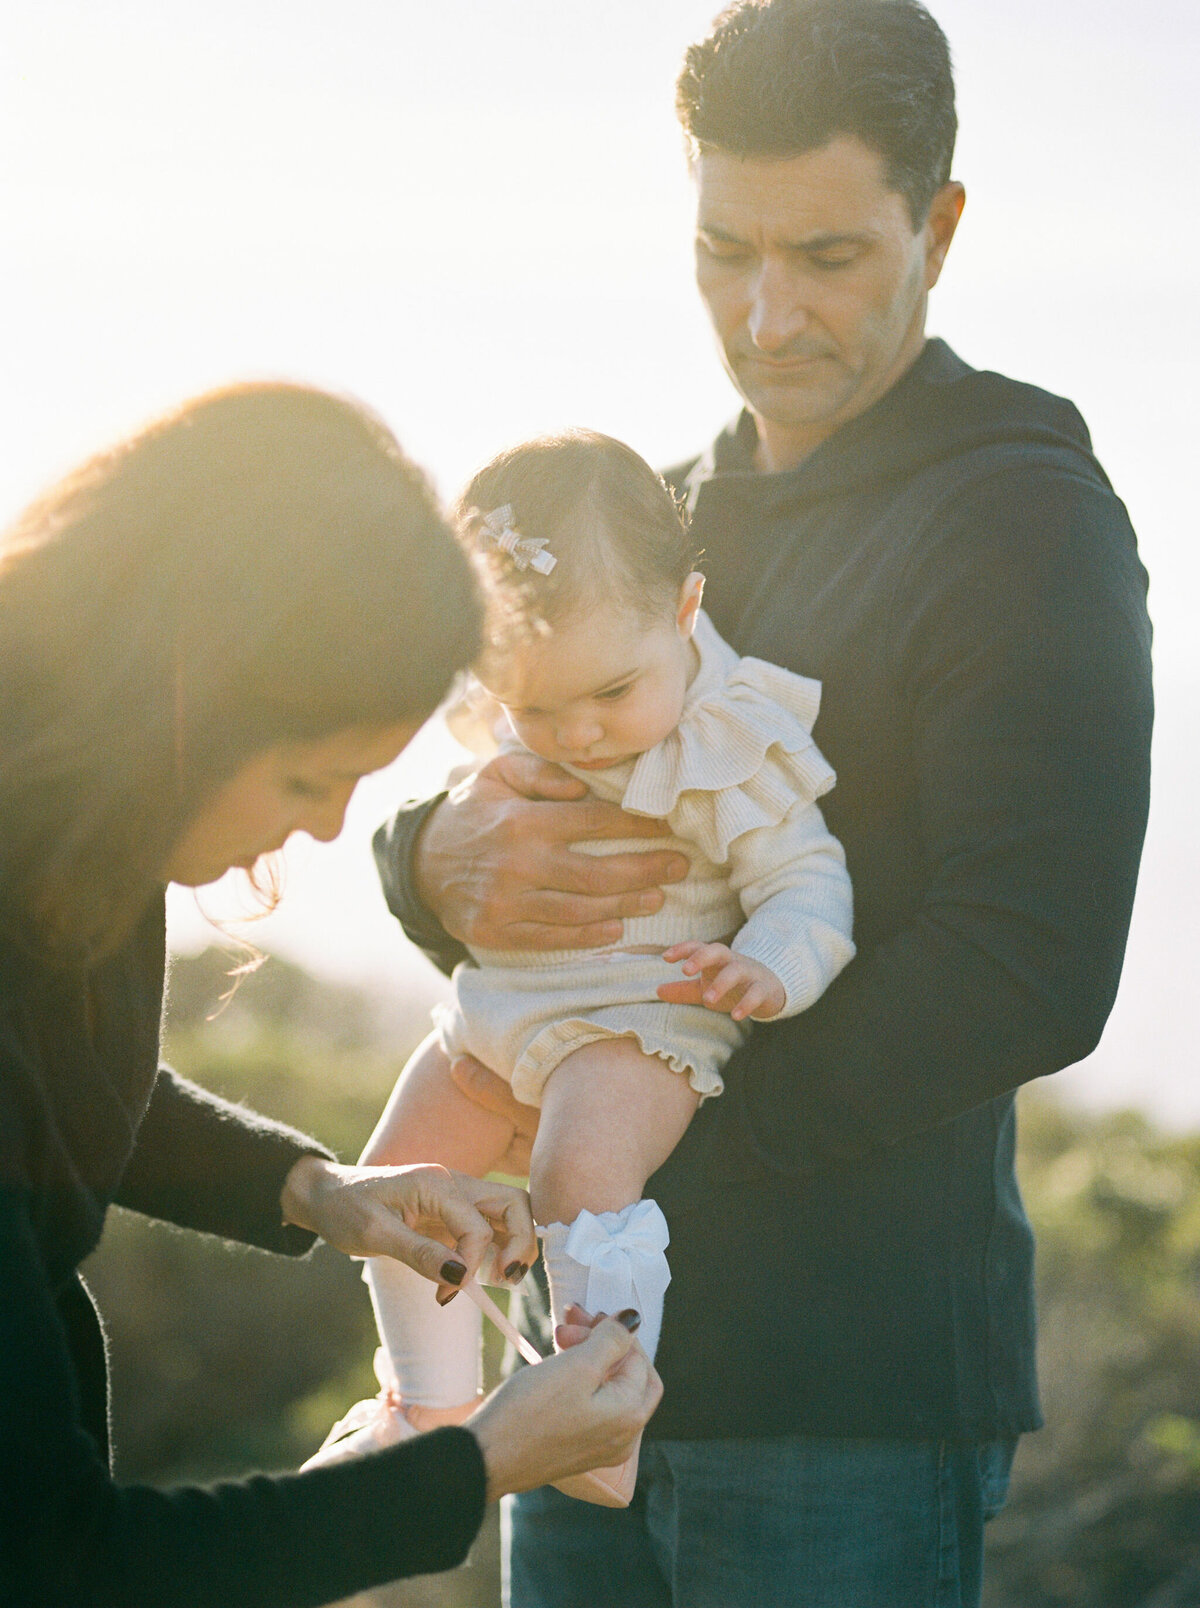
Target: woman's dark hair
x: 611, y: 524
x: 261, y: 566
x: 778, y: 78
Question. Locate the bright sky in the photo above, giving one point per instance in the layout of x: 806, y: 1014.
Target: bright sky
x: 475, y: 216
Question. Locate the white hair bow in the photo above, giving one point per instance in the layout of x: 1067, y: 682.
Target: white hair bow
x: 526, y: 552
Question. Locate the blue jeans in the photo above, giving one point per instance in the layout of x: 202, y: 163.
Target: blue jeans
x: 787, y: 1523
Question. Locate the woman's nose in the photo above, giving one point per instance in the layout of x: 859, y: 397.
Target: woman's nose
x: 325, y: 820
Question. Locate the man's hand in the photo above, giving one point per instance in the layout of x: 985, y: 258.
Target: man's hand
x: 494, y: 863
x: 722, y: 980
x: 480, y: 1083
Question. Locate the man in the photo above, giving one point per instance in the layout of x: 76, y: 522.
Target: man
x: 848, y: 1350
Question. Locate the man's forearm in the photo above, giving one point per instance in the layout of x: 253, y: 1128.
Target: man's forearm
x: 394, y: 844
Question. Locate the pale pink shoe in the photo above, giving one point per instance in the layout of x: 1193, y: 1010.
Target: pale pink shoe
x: 382, y: 1421
x: 606, y: 1487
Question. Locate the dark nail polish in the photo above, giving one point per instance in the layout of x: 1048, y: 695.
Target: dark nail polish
x: 631, y: 1318
x: 445, y: 1300
x: 453, y: 1272
x: 516, y: 1271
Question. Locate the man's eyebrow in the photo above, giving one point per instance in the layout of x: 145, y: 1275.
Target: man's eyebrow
x: 829, y: 240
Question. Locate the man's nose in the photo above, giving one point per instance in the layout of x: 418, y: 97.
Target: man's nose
x: 777, y: 312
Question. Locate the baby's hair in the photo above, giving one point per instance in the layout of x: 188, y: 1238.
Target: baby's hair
x: 611, y: 524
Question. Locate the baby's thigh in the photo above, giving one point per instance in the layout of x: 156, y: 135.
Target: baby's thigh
x: 611, y: 1115
x: 428, y: 1118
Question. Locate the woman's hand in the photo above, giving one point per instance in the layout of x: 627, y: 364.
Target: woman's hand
x: 580, y: 1409
x: 494, y: 861
x: 722, y: 980
x: 413, y: 1214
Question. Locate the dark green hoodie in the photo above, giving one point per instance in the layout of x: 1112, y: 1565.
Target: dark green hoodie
x: 849, y: 1252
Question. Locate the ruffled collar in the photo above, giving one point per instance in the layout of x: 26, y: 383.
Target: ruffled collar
x: 736, y: 712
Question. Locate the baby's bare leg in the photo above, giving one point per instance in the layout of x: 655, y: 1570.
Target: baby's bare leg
x: 611, y: 1115
x: 433, y: 1354
x: 428, y: 1118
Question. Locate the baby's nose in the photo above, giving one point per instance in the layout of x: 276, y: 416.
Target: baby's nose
x: 579, y: 733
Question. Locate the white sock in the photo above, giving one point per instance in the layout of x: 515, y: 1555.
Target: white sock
x: 611, y: 1261
x: 434, y: 1351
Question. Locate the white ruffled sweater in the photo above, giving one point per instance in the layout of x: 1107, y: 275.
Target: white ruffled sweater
x: 737, y: 782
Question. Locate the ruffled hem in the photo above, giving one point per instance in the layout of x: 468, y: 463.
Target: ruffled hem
x: 554, y: 1043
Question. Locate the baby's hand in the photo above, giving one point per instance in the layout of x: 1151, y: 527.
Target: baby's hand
x: 722, y: 980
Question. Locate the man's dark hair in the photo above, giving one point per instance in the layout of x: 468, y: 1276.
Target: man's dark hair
x: 778, y: 78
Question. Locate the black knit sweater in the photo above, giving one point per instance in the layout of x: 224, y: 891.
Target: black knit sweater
x: 87, y: 1118
x: 849, y: 1252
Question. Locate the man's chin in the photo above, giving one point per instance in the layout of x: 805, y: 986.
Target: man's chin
x: 792, y: 403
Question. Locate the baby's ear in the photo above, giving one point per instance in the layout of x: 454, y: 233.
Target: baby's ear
x: 690, y: 594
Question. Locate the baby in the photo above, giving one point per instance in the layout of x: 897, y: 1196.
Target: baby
x: 601, y: 660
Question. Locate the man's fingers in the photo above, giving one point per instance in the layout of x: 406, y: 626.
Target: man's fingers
x: 602, y: 875
x: 480, y: 1084
x: 537, y: 936
x: 598, y: 819
x: 536, y: 778
x: 688, y: 991
x: 580, y: 909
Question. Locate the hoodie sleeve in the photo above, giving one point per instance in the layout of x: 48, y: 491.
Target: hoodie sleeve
x: 1022, y: 652
x: 393, y: 844
x: 70, y: 1534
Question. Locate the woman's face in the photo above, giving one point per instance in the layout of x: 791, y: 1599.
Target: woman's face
x: 294, y: 787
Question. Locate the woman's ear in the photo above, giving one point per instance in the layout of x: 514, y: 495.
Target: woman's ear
x: 690, y: 594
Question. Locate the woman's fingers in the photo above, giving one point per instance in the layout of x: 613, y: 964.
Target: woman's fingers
x: 580, y: 1409
x: 514, y: 1247
x: 441, y: 1223
x: 577, y: 1324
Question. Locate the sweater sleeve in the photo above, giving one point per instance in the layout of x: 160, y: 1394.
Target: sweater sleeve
x: 394, y: 843
x: 206, y: 1164
x: 793, y: 885
x: 1022, y: 658
x: 70, y: 1535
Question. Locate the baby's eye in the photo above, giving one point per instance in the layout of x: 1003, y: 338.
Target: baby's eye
x: 611, y: 694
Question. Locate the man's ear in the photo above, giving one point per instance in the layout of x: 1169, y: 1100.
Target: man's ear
x: 690, y: 594
x: 944, y: 212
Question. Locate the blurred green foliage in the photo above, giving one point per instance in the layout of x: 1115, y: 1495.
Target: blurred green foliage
x: 226, y: 1360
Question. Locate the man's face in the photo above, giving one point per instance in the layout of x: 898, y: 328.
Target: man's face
x: 816, y: 283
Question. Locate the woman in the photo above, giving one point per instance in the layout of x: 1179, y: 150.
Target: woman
x: 207, y: 636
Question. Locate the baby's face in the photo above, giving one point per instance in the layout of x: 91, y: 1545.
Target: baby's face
x: 601, y: 687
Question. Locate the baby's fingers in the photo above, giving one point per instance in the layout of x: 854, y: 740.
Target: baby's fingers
x: 726, y: 987
x: 704, y: 957
x: 754, y: 996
